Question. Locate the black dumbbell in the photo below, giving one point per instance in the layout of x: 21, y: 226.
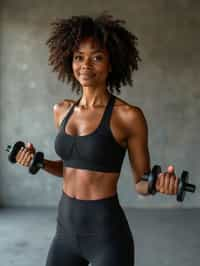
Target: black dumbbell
x: 37, y: 162
x: 183, y: 185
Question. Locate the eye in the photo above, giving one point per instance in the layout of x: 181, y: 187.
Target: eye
x: 77, y: 58
x: 98, y: 58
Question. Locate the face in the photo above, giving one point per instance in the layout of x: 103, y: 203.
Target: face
x: 90, y: 64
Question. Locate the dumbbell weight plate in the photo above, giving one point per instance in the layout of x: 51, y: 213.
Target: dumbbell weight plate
x: 12, y: 155
x: 156, y: 170
x: 181, y: 192
x: 37, y: 162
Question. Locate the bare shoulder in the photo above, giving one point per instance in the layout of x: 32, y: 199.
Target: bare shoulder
x: 66, y: 103
x: 130, y: 115
x: 126, y: 109
x: 60, y: 109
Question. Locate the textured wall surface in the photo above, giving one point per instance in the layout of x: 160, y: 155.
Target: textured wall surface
x: 166, y: 88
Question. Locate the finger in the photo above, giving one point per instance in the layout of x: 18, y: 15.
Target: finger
x: 25, y: 158
x: 161, y: 176
x: 157, y: 184
x: 172, y: 185
x: 166, y: 182
x: 28, y: 157
x: 28, y: 161
x: 176, y: 185
x: 25, y: 153
x: 19, y: 153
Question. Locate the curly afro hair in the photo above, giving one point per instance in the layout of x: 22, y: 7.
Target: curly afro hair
x: 121, y: 44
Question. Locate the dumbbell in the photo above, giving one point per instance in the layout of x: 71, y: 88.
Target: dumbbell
x: 37, y: 162
x: 183, y: 185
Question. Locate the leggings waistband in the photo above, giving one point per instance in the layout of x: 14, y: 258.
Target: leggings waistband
x: 90, y: 216
x: 111, y: 200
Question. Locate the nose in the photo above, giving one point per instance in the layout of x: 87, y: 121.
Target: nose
x: 87, y: 63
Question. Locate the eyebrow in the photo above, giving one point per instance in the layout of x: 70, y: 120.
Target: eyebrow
x: 93, y: 52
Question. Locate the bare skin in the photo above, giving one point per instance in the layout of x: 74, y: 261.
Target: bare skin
x: 91, y: 67
x: 86, y: 184
x: 128, y: 125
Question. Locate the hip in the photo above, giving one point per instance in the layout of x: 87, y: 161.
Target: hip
x: 92, y: 217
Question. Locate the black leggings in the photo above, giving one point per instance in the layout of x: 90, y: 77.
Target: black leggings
x: 94, y: 232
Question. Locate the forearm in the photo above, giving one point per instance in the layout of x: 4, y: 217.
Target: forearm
x: 54, y: 167
x: 142, y: 188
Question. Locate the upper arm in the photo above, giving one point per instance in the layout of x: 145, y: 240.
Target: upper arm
x: 138, y: 144
x: 59, y: 110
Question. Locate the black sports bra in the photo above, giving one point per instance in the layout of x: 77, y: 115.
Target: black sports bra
x: 96, y: 151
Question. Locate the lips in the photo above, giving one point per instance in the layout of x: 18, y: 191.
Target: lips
x: 87, y: 75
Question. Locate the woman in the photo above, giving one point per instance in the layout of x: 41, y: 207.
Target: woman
x: 97, y: 56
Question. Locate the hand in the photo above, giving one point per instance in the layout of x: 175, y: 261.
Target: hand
x: 25, y: 155
x: 167, y: 182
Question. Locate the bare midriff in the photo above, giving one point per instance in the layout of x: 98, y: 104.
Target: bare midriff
x: 89, y: 185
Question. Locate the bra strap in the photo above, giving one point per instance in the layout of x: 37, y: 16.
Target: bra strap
x: 64, y: 121
x: 107, y: 114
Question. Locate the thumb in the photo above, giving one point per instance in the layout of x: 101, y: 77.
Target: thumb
x: 30, y: 146
x: 171, y: 169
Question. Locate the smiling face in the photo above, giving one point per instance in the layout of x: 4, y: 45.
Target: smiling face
x: 90, y: 64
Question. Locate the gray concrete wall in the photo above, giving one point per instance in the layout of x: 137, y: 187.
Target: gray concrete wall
x: 166, y: 88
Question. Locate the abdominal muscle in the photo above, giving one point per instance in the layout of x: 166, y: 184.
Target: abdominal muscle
x: 89, y: 185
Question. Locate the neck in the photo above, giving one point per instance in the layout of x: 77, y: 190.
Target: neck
x: 92, y: 98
